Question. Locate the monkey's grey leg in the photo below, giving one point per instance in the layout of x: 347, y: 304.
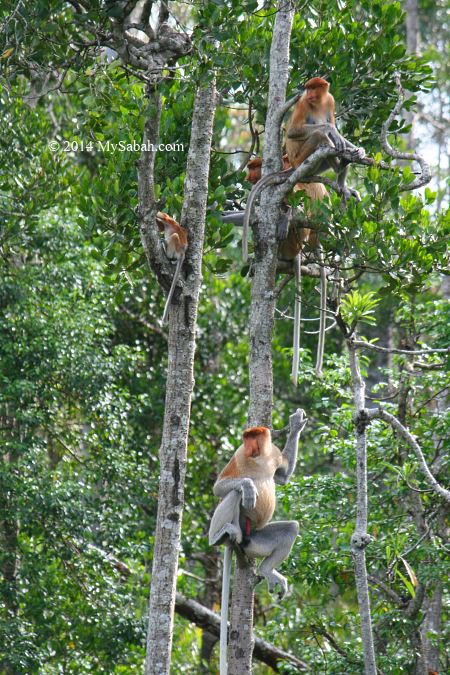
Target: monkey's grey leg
x: 342, y: 181
x: 283, y: 223
x: 273, y: 543
x: 340, y: 166
x: 318, y: 139
x: 225, y: 520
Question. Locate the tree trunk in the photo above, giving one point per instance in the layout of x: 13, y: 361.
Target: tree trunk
x: 179, y: 385
x: 432, y: 625
x: 262, y: 311
x: 360, y: 538
x: 412, y: 47
x: 412, y: 26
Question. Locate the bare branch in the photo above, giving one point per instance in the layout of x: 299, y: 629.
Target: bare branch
x: 410, y: 439
x: 425, y: 174
x: 264, y: 651
x: 360, y: 537
x: 288, y: 104
x: 387, y: 590
x: 361, y: 344
x: 147, y: 203
x: 153, y: 328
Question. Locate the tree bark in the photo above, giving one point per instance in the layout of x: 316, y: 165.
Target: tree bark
x: 432, y: 625
x: 412, y: 26
x: 264, y: 651
x: 262, y: 311
x: 179, y: 385
x: 412, y: 47
x: 360, y: 538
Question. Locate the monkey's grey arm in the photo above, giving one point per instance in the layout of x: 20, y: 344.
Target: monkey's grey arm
x: 340, y: 142
x: 297, y: 422
x: 305, y: 130
x: 225, y: 521
x: 244, y: 486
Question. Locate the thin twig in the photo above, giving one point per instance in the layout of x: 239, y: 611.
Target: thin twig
x: 361, y: 344
x: 425, y: 173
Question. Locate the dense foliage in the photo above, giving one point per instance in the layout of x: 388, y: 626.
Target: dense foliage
x: 82, y: 353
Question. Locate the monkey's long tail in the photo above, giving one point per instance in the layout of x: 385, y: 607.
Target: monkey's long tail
x: 297, y: 318
x: 323, y: 313
x: 272, y: 178
x: 172, y: 288
x: 226, y: 575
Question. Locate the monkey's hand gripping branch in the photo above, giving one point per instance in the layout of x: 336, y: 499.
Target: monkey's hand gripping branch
x: 297, y: 422
x: 305, y: 172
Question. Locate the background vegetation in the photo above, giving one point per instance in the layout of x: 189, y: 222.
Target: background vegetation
x: 82, y: 353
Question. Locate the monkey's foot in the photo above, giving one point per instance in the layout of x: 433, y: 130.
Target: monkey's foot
x: 275, y: 579
x: 228, y: 531
x: 358, y: 153
x: 350, y: 192
x: 283, y: 224
x: 249, y: 494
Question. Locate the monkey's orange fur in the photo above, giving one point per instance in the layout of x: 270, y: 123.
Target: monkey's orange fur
x: 260, y: 468
x: 316, y: 106
x: 297, y: 237
x: 174, y: 234
x: 176, y: 244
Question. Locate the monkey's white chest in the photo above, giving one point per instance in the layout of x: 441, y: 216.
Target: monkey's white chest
x: 265, y: 504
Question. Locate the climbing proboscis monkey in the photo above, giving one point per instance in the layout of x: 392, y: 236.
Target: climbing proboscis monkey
x: 176, y: 244
x: 247, y: 490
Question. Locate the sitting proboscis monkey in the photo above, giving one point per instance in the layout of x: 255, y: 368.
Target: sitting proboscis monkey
x: 311, y: 126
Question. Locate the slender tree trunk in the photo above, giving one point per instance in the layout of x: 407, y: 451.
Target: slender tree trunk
x: 412, y: 47
x: 262, y: 311
x: 412, y: 26
x: 179, y: 385
x: 9, y: 535
x: 360, y: 538
x: 432, y: 625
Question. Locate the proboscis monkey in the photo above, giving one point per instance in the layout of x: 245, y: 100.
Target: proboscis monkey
x: 176, y: 244
x: 289, y: 249
x: 312, y: 125
x: 296, y: 237
x: 247, y: 488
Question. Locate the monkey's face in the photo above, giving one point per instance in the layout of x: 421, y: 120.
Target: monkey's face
x: 253, y: 176
x: 254, y: 170
x: 251, y: 447
x: 256, y: 440
x: 315, y: 96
